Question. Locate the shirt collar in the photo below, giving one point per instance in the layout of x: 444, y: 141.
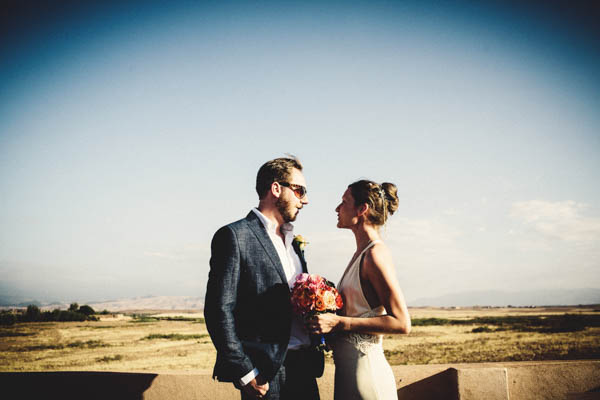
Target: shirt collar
x: 287, y: 228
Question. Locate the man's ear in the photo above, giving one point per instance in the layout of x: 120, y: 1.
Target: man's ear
x: 276, y: 189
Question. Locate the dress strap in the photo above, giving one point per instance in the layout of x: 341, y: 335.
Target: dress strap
x: 367, y: 247
x: 357, y: 260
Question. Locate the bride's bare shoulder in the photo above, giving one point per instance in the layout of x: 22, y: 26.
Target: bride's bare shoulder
x: 378, y: 256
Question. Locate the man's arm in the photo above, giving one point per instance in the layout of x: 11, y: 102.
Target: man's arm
x: 220, y: 302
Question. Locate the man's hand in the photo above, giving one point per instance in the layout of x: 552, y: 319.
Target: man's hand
x: 257, y: 387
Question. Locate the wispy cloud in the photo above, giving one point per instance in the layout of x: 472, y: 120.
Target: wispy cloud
x: 424, y: 248
x: 563, y: 220
x: 185, y: 252
x: 421, y: 233
x: 157, y: 254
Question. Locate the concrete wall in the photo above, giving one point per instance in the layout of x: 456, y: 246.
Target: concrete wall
x: 489, y: 381
x: 514, y: 381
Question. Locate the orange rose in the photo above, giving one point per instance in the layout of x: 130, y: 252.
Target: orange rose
x: 338, y: 301
x: 319, y: 304
x: 305, y: 301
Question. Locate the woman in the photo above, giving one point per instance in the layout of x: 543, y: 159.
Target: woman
x: 373, y: 301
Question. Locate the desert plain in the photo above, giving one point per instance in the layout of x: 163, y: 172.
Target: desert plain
x: 144, y: 340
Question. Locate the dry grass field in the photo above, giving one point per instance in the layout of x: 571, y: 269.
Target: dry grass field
x: 495, y: 335
x: 180, y: 342
x: 116, y: 344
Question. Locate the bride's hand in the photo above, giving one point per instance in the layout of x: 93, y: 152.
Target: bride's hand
x: 323, y: 323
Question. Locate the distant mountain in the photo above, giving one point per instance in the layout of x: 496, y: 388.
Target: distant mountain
x: 494, y: 298
x: 152, y: 303
x: 497, y: 298
x: 135, y: 303
x: 18, y: 301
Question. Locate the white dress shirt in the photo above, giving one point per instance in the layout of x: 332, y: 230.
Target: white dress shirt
x: 292, y: 266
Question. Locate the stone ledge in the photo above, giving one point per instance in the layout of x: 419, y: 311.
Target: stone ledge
x: 510, y: 380
x: 573, y: 380
x: 488, y: 383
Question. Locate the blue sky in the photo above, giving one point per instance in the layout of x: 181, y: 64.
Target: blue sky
x: 129, y: 133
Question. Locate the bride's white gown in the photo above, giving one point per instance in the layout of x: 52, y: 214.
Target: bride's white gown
x: 361, y: 370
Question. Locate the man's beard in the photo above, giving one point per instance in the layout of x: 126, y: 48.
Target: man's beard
x: 287, y: 212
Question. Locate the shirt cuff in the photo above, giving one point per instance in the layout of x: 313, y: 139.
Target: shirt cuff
x: 246, y: 379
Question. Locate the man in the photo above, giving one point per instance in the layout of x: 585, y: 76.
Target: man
x: 262, y: 347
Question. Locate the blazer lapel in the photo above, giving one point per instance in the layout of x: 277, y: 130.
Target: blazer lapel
x: 261, y: 234
x: 300, y: 253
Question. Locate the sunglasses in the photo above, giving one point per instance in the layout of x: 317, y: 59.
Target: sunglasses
x: 299, y: 190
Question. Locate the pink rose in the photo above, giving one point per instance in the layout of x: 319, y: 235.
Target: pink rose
x: 301, y: 278
x: 315, y: 279
x: 314, y: 288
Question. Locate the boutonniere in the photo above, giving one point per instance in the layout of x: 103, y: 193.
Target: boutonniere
x: 300, y: 242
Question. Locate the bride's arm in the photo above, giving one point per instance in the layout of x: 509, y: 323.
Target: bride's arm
x: 378, y: 270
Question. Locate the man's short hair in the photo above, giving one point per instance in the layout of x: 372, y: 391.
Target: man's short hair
x: 277, y: 170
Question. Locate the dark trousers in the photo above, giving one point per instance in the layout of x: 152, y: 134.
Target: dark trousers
x: 295, y: 380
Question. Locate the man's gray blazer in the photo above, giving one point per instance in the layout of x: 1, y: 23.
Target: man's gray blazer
x: 247, y: 307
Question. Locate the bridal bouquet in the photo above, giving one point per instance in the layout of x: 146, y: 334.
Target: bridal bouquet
x: 313, y: 294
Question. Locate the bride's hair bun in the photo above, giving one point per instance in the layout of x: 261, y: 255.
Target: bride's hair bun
x: 391, y: 195
x: 381, y: 199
